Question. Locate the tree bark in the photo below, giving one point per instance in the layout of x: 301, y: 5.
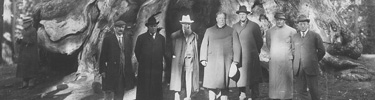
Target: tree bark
x: 1, y: 30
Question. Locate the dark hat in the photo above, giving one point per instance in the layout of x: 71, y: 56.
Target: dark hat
x: 303, y: 18
x: 242, y: 9
x: 280, y: 15
x: 152, y: 20
x: 119, y: 23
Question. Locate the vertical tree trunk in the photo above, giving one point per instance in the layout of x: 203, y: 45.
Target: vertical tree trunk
x: 1, y: 30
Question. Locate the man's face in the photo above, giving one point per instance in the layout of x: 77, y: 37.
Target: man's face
x: 220, y: 19
x: 186, y: 27
x: 243, y: 16
x: 280, y: 22
x: 119, y: 29
x: 303, y: 26
x: 152, y: 28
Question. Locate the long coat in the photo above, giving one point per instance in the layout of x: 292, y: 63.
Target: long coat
x: 279, y: 40
x: 28, y: 60
x: 308, y: 51
x: 115, y: 62
x: 150, y: 53
x: 178, y: 47
x: 220, y: 47
x: 251, y: 42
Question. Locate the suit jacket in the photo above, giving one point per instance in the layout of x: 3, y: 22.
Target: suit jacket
x: 307, y: 52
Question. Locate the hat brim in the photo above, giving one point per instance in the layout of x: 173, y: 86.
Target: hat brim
x: 148, y: 24
x: 247, y: 12
x: 186, y: 22
x: 304, y: 20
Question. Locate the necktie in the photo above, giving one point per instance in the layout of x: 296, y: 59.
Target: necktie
x: 120, y: 41
x: 303, y: 34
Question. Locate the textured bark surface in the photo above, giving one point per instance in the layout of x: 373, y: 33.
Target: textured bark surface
x: 75, y: 26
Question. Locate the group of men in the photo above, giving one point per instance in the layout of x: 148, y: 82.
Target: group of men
x: 230, y: 56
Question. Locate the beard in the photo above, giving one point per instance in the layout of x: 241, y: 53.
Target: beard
x: 186, y: 31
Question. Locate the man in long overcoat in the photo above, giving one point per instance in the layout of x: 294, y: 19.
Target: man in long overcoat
x: 219, y: 50
x: 251, y: 42
x: 150, y: 50
x: 279, y: 41
x: 185, y: 64
x: 308, y: 51
x: 28, y: 60
x: 117, y: 73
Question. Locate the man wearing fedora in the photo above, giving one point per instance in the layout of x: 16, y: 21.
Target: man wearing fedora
x: 251, y: 42
x: 117, y: 73
x: 279, y: 41
x: 150, y: 51
x: 185, y: 64
x: 308, y: 51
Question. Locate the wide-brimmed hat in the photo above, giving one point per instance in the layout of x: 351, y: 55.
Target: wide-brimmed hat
x: 242, y: 9
x: 303, y: 18
x: 152, y: 20
x: 186, y: 19
x: 280, y: 15
x: 120, y: 23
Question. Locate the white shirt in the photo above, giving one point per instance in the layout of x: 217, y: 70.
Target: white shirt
x: 303, y: 34
x: 119, y: 38
x: 153, y: 35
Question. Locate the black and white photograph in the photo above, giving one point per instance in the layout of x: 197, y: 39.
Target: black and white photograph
x: 187, y: 50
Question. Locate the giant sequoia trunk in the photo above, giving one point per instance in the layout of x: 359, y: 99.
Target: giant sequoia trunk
x: 69, y: 26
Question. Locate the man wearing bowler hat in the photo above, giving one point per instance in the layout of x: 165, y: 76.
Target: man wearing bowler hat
x: 185, y: 64
x: 251, y: 42
x: 279, y: 41
x: 308, y: 51
x: 150, y: 51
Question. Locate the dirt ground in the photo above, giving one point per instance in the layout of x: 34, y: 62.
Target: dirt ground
x: 331, y: 88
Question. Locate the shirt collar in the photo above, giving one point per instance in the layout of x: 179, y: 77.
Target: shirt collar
x: 221, y: 27
x: 244, y: 23
x: 305, y: 32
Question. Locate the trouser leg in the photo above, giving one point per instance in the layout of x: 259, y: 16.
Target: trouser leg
x: 312, y: 81
x: 301, y: 86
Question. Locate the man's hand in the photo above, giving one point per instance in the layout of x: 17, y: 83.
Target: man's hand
x: 204, y: 63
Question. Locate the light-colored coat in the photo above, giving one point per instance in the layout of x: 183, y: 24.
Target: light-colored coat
x: 220, y: 47
x: 279, y: 40
x: 308, y: 51
x: 178, y: 47
x: 251, y: 42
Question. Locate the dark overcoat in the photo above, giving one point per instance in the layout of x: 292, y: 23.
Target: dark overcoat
x: 150, y: 53
x: 308, y: 51
x: 115, y: 62
x: 178, y: 47
x: 251, y: 42
x: 28, y: 60
x: 220, y: 47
